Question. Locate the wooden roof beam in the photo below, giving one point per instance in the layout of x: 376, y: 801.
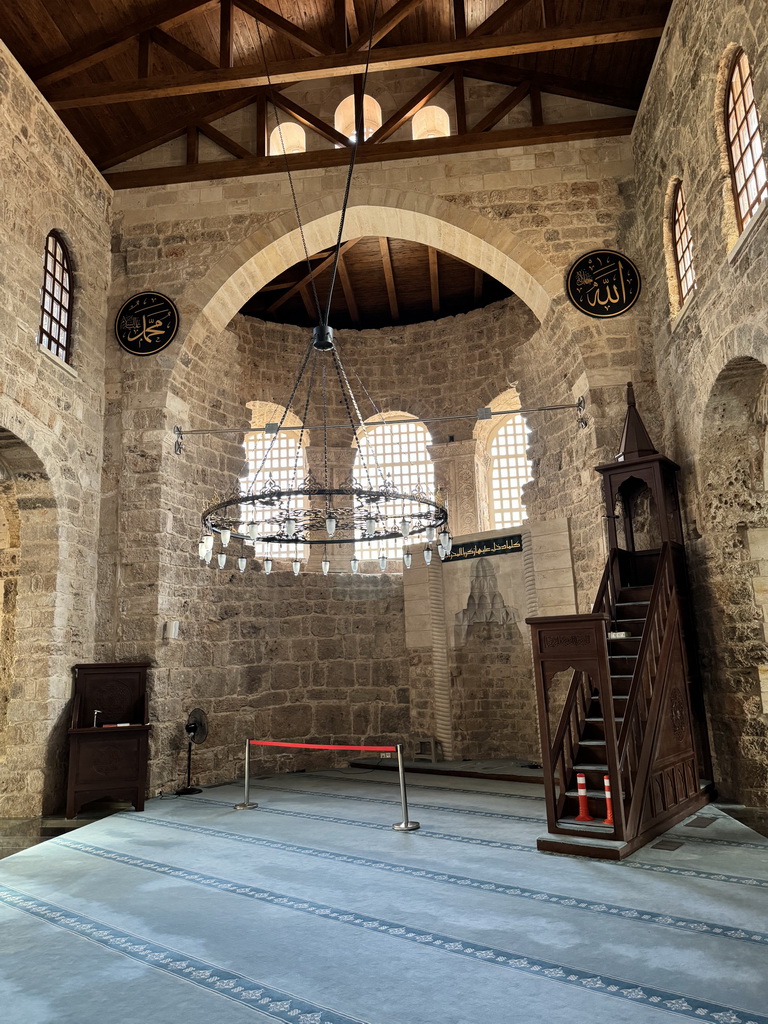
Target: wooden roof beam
x: 286, y: 28
x: 224, y: 142
x: 307, y: 118
x: 411, y: 106
x: 457, y: 51
x: 86, y: 56
x: 175, y: 127
x: 434, y: 281
x: 389, y: 277
x: 385, y: 24
x: 180, y: 51
x: 569, y: 131
x: 499, y: 17
x: 349, y: 291
x: 558, y: 85
x: 509, y: 102
x: 313, y: 274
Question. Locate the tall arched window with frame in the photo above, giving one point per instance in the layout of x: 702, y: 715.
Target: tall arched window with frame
x: 509, y: 472
x: 682, y: 244
x: 397, y: 452
x: 276, y: 457
x: 744, y: 143
x: 55, y: 333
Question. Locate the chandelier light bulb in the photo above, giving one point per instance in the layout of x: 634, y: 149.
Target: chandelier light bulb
x: 354, y: 564
x: 290, y: 527
x: 201, y: 549
x: 267, y: 565
x: 208, y: 541
x: 208, y: 557
x: 382, y: 562
x: 443, y: 536
x: 326, y: 565
x: 222, y: 558
x: 430, y: 534
x: 253, y: 529
x: 241, y: 563
x: 330, y: 524
x: 296, y: 565
x: 427, y: 555
x: 405, y: 527
x: 225, y: 535
x: 370, y: 526
x: 448, y: 544
x: 407, y: 559
x: 441, y: 551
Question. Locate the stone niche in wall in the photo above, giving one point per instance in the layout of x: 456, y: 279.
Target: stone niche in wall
x: 465, y: 619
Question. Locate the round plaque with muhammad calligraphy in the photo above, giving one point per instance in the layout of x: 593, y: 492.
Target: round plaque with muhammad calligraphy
x: 147, y: 323
x: 603, y: 283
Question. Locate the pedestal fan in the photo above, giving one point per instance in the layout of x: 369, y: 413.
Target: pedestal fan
x: 196, y: 729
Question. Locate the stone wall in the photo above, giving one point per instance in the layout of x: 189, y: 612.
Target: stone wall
x: 710, y: 361
x: 51, y: 438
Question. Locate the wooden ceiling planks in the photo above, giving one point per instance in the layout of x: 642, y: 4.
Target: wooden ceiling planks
x: 382, y: 282
x: 49, y: 33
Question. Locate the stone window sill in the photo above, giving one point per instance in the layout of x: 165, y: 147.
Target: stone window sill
x: 748, y: 234
x: 682, y: 313
x: 57, y: 361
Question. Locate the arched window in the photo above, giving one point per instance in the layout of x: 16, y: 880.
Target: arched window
x: 285, y: 464
x: 288, y: 137
x: 430, y: 122
x: 344, y: 119
x: 397, y: 452
x: 56, y: 299
x: 745, y: 147
x: 682, y: 244
x: 510, y: 471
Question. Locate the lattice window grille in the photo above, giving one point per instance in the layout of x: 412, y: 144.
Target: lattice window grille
x: 745, y: 147
x: 683, y: 243
x: 400, y: 450
x: 56, y: 300
x: 280, y: 467
x: 510, y: 472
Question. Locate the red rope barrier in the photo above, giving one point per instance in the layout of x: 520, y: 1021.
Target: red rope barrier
x: 314, y: 746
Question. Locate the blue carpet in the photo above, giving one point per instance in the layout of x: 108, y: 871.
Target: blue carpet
x: 310, y: 909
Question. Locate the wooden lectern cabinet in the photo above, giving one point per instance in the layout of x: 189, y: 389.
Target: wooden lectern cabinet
x: 107, y: 757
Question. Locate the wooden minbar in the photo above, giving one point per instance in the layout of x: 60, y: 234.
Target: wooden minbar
x: 108, y: 758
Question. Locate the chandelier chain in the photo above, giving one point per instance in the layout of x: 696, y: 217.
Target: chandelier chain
x: 359, y: 130
x: 295, y: 201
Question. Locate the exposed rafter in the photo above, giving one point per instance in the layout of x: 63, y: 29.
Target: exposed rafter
x: 311, y: 275
x: 389, y: 277
x: 499, y: 17
x: 474, y: 142
x: 338, y: 65
x: 385, y: 24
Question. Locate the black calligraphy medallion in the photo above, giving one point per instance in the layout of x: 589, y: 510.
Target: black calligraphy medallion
x: 603, y: 283
x: 147, y: 323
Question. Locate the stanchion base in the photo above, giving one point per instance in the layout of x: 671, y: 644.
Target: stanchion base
x: 244, y: 807
x: 406, y: 826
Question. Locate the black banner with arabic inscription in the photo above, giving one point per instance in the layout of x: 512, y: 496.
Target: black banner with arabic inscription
x: 483, y: 548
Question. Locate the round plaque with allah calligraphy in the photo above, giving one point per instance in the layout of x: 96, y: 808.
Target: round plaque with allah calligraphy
x: 147, y: 323
x: 603, y: 283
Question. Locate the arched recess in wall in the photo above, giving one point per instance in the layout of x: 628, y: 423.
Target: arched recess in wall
x: 728, y: 559
x: 32, y: 746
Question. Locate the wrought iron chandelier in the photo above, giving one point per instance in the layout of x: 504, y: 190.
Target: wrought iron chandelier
x: 366, y: 508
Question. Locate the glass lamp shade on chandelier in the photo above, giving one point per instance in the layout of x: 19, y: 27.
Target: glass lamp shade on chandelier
x: 367, y: 507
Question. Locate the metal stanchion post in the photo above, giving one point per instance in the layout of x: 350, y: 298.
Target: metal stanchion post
x: 246, y: 804
x: 405, y: 825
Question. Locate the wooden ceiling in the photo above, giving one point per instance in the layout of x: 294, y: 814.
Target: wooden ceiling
x: 129, y: 75
x: 381, y: 282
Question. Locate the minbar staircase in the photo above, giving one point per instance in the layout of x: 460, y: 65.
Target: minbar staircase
x: 627, y: 710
